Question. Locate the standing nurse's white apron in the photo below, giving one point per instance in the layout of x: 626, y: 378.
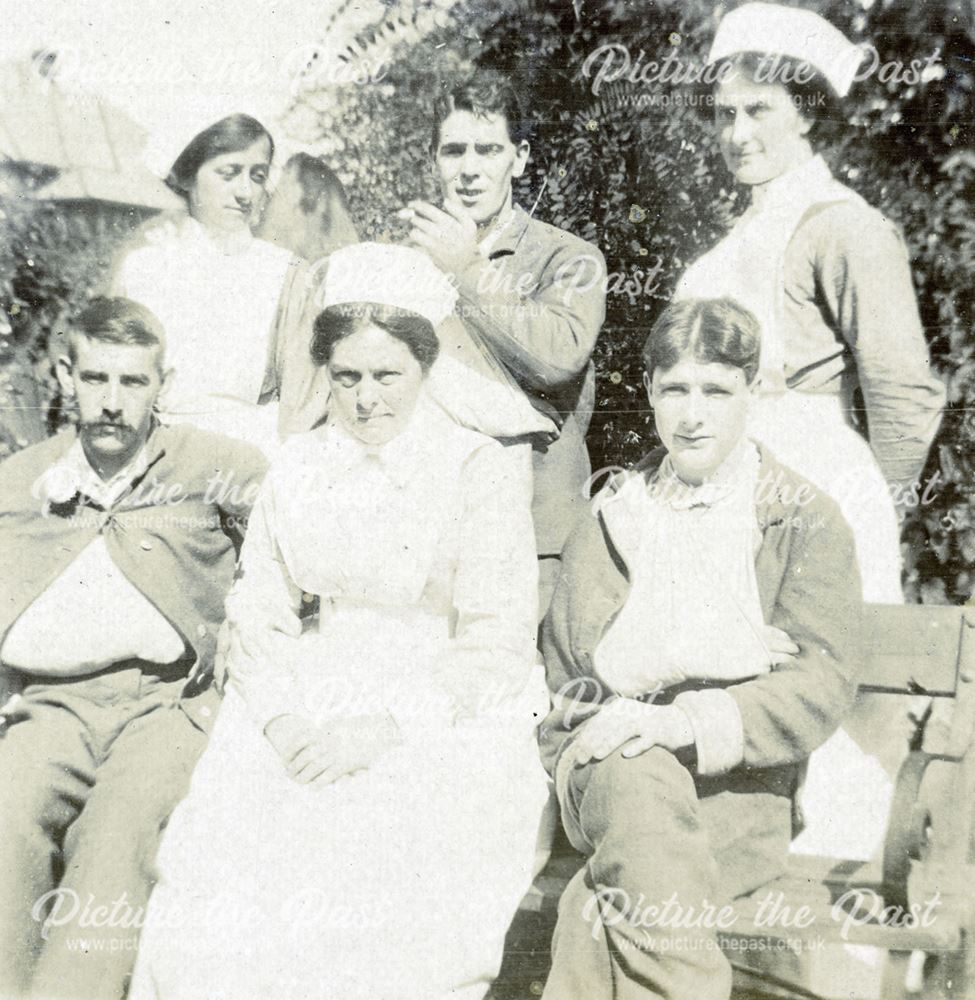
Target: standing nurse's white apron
x: 846, y: 797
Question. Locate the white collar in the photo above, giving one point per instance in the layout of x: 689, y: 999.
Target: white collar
x: 794, y: 183
x: 739, y: 467
x: 228, y: 245
x: 496, y: 229
x: 73, y: 474
x: 412, y: 452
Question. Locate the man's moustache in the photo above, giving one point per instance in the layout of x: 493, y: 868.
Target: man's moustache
x: 100, y: 426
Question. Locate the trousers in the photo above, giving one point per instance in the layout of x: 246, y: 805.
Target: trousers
x: 666, y: 851
x: 90, y: 769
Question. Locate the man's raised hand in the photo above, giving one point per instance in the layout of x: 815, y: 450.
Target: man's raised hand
x: 447, y: 235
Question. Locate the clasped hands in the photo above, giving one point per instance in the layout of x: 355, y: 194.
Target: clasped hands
x: 311, y: 752
x: 323, y: 753
x: 636, y: 726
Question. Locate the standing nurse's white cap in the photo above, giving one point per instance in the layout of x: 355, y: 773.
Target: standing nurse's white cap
x: 183, y: 122
x: 771, y: 29
x: 390, y: 275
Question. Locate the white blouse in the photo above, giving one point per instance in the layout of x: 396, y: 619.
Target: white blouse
x: 217, y: 306
x: 435, y: 525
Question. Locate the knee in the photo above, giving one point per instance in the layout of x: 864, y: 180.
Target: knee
x: 117, y: 829
x: 653, y: 792
x: 642, y: 819
x: 124, y: 818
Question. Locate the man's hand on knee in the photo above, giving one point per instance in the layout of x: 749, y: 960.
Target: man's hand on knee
x: 634, y: 726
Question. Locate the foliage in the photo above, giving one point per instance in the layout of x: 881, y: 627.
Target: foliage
x: 53, y: 258
x: 632, y: 169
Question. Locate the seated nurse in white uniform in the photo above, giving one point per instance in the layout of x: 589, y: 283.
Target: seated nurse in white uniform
x: 363, y: 821
x: 215, y: 287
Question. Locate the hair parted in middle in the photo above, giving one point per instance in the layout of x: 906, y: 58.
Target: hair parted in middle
x: 482, y: 91
x: 719, y: 331
x: 337, y: 322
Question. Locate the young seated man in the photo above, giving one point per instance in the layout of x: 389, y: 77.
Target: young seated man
x: 117, y: 554
x: 701, y: 642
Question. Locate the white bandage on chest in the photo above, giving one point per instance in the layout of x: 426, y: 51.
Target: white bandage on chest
x: 90, y: 617
x: 693, y: 611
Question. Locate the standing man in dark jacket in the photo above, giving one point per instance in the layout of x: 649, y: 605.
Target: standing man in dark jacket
x: 534, y: 295
x: 116, y: 554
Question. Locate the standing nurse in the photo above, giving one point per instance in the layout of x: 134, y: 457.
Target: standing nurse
x: 215, y: 287
x: 828, y: 277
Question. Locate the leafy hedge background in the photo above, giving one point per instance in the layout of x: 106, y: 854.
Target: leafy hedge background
x: 632, y: 169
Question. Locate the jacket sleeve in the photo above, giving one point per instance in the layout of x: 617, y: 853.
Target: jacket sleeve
x: 542, y: 326
x: 865, y: 278
x: 590, y: 589
x: 239, y: 477
x: 782, y: 716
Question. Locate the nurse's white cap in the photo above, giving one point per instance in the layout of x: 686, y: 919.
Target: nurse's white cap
x: 771, y: 29
x: 183, y: 122
x: 389, y: 275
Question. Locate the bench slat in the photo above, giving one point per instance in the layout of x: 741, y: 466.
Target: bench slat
x: 941, y: 936
x: 913, y: 643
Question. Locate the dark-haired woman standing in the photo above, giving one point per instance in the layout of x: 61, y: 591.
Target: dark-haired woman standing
x: 828, y: 277
x: 214, y: 286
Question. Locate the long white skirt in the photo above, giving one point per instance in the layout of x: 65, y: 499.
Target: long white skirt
x: 847, y: 793
x: 812, y: 434
x: 396, y: 883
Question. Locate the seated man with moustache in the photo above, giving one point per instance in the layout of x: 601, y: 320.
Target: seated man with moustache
x: 118, y: 549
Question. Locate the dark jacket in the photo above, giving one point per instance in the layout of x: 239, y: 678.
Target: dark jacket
x: 169, y: 533
x: 809, y: 587
x: 538, y: 301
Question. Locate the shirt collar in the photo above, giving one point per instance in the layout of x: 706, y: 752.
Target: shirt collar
x: 507, y: 233
x: 740, y: 467
x: 73, y: 475
x: 795, y: 183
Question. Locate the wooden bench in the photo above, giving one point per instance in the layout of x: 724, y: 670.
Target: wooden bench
x: 928, y: 853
